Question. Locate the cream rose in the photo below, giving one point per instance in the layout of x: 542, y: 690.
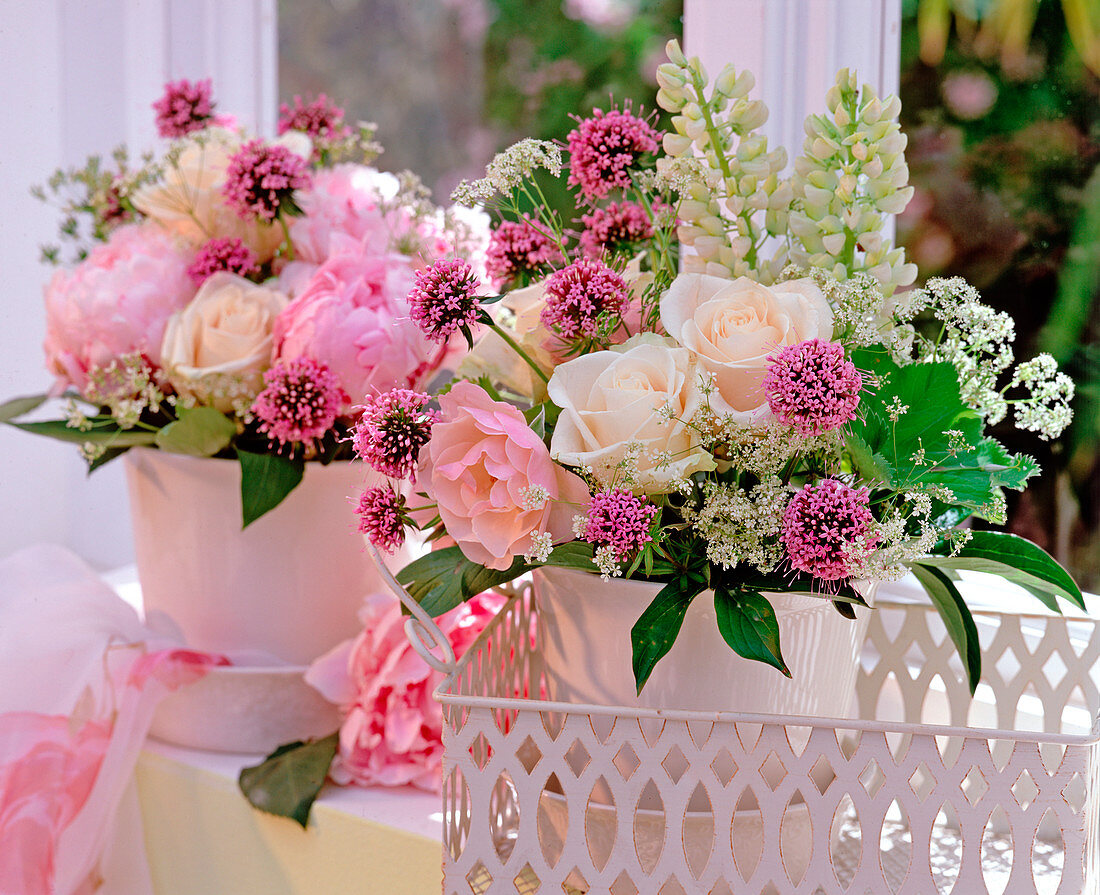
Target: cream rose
x: 217, y: 348
x: 613, y: 405
x: 733, y: 326
x: 188, y: 200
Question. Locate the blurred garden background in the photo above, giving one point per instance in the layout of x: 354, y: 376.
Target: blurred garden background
x: 1000, y: 100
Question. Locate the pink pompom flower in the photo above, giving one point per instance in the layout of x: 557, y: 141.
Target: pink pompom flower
x: 517, y: 248
x: 444, y: 300
x: 382, y: 517
x: 620, y: 224
x: 392, y: 429
x: 603, y: 149
x: 319, y: 118
x: 261, y: 179
x: 812, y: 386
x: 300, y: 401
x: 223, y: 253
x: 577, y: 295
x: 619, y: 519
x: 185, y: 107
x: 826, y: 527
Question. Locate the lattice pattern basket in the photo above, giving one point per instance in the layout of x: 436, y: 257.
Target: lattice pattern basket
x: 926, y: 791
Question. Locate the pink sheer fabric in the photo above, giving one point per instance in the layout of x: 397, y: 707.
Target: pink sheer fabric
x: 80, y: 678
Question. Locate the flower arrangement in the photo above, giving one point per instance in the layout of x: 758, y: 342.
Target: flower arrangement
x: 709, y: 379
x: 239, y: 296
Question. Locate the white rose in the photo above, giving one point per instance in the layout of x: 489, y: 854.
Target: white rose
x: 612, y: 400
x: 188, y: 199
x: 733, y: 326
x: 217, y: 348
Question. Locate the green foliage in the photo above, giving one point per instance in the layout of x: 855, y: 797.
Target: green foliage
x: 198, y: 432
x: 443, y: 579
x: 956, y: 618
x: 266, y: 479
x: 287, y: 782
x: 105, y: 433
x: 916, y: 449
x: 747, y: 622
x: 656, y: 629
x: 1015, y: 559
x: 17, y: 407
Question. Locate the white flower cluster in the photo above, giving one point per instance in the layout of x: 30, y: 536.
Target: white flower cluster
x: 542, y: 545
x: 126, y: 387
x: 859, y: 306
x: 739, y: 526
x: 759, y: 450
x: 1047, y: 410
x: 852, y: 174
x: 976, y: 339
x: 508, y: 170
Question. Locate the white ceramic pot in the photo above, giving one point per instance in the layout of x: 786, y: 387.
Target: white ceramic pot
x: 585, y: 627
x: 289, y: 586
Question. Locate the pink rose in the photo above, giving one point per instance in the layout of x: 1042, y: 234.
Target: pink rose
x: 483, y: 465
x: 353, y: 317
x: 116, y: 301
x: 393, y: 729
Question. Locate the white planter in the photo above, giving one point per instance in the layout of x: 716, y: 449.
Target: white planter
x: 290, y: 585
x: 585, y: 635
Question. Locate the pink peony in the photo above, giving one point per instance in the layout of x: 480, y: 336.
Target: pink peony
x: 115, y: 302
x: 483, y: 465
x: 352, y: 316
x: 349, y: 201
x: 392, y: 730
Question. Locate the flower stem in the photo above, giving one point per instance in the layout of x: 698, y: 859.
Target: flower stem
x: 523, y: 354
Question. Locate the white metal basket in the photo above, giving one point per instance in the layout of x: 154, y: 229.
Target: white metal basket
x: 927, y: 791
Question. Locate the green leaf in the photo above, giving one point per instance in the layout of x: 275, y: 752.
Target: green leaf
x: 873, y: 468
x: 747, y: 622
x: 199, y: 432
x: 1015, y: 559
x: 106, y: 457
x: 883, y: 448
x: 266, y: 479
x: 287, y: 782
x: 655, y: 630
x: 956, y: 617
x: 9, y: 410
x: 111, y: 436
x: 443, y: 579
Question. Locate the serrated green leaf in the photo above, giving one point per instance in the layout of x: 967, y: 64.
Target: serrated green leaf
x: 199, y: 432
x: 1015, y: 559
x: 16, y: 407
x: 956, y: 618
x: 872, y: 468
x: 655, y: 630
x: 287, y: 782
x: 747, y: 622
x: 266, y: 479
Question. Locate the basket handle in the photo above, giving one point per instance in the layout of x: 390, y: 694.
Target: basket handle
x: 423, y: 633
